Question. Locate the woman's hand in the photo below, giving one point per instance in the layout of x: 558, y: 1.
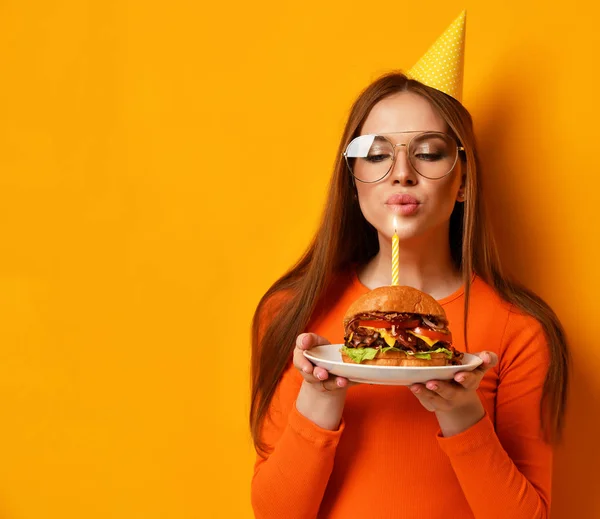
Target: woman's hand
x: 322, y: 396
x: 318, y: 377
x: 455, y: 402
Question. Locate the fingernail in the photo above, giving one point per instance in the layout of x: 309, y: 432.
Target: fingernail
x: 460, y: 378
x: 433, y: 387
x: 306, y: 369
x: 339, y: 383
x: 305, y: 340
x: 415, y: 389
x: 487, y: 358
x: 320, y: 376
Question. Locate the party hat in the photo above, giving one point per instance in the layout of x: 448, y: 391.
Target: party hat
x: 442, y: 66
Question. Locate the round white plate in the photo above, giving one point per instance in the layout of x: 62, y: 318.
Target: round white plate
x: 329, y: 357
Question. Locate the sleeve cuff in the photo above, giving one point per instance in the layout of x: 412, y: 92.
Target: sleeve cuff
x: 475, y: 437
x: 311, y: 431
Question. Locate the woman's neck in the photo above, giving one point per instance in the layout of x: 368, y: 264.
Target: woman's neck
x: 425, y: 263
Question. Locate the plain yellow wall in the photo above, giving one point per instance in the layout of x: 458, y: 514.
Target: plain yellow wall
x: 163, y: 162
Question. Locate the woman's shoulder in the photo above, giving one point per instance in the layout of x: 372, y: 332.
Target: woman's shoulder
x: 486, y: 297
x: 517, y: 328
x: 489, y: 299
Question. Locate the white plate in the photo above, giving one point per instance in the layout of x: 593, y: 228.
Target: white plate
x: 329, y: 357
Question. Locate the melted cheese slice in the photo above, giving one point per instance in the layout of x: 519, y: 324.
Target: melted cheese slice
x: 385, y: 335
x: 430, y: 342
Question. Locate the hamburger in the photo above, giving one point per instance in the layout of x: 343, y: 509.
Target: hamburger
x: 398, y: 326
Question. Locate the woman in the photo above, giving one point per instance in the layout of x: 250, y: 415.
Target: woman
x: 478, y: 446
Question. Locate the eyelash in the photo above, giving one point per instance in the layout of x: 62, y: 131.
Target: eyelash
x: 423, y: 156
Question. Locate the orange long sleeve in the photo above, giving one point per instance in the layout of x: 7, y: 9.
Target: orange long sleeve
x: 505, y: 471
x: 292, y: 481
x: 388, y: 458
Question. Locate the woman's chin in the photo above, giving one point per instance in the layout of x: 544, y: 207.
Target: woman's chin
x: 405, y: 232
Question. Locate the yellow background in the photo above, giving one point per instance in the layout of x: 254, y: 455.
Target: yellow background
x: 163, y: 162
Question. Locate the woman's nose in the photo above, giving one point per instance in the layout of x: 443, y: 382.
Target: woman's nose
x: 402, y: 170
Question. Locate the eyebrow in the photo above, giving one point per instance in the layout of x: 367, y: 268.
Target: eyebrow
x: 409, y: 131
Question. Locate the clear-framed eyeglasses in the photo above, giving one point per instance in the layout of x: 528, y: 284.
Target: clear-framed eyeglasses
x: 371, y: 157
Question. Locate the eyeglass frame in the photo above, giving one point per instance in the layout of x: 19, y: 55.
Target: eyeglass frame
x: 394, y: 146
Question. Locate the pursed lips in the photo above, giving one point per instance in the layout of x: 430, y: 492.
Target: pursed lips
x: 402, y: 199
x: 403, y: 204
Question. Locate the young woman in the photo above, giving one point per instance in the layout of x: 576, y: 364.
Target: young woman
x: 477, y: 446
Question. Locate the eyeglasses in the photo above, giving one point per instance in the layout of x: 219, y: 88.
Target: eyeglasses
x: 371, y: 157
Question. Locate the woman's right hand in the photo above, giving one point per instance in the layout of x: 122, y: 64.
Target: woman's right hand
x: 322, y: 396
x: 318, y: 377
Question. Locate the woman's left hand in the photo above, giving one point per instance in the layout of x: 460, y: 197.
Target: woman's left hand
x: 455, y: 402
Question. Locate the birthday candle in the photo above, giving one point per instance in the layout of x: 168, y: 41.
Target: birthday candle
x: 395, y: 257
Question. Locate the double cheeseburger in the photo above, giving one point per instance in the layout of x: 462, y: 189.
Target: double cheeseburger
x: 398, y: 326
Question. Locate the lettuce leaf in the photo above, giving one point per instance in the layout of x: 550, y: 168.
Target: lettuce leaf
x: 427, y: 355
x: 360, y: 354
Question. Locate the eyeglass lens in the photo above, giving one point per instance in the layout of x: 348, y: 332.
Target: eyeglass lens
x: 370, y: 157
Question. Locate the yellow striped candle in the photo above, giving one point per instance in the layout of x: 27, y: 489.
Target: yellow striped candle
x: 395, y: 257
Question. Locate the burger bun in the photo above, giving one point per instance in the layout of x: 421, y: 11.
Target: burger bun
x: 399, y: 358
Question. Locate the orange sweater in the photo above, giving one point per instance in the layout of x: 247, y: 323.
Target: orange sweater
x: 388, y: 458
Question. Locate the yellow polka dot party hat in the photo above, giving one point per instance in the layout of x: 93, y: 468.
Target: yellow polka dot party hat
x: 442, y: 66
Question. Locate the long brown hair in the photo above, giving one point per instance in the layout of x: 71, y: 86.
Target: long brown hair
x: 345, y: 238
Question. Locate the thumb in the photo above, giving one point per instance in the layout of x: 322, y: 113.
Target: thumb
x: 489, y: 358
x: 305, y: 341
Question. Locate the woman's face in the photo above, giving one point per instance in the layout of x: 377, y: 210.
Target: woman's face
x: 405, y: 112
